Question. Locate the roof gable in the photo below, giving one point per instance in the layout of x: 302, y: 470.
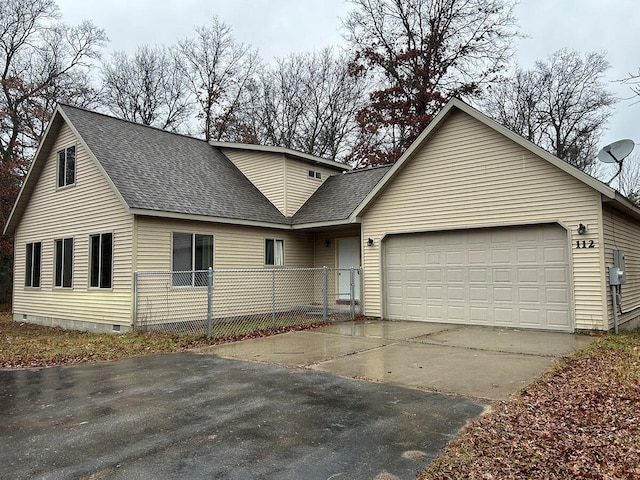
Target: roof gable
x: 456, y: 105
x: 339, y: 196
x: 161, y: 171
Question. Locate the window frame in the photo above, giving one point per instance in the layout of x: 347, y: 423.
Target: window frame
x: 65, y: 270
x: 177, y: 280
x: 62, y: 171
x: 101, y: 271
x: 29, y: 262
x: 314, y: 174
x: 275, y: 241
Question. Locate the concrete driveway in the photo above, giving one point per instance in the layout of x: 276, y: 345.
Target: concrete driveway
x: 191, y: 415
x: 479, y: 362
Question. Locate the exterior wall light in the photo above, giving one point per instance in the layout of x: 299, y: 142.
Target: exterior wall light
x: 327, y: 243
x: 582, y: 229
x: 370, y: 242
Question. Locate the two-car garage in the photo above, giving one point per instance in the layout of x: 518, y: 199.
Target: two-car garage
x: 509, y: 276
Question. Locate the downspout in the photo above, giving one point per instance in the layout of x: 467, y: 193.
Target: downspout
x: 614, y: 301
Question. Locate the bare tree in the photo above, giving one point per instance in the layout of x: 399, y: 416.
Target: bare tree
x: 628, y: 181
x: 562, y: 105
x: 308, y: 102
x: 42, y: 62
x: 421, y: 53
x: 633, y: 80
x: 147, y: 88
x: 219, y: 71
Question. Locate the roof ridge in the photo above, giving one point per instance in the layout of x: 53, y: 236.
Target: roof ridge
x: 124, y: 120
x: 367, y: 169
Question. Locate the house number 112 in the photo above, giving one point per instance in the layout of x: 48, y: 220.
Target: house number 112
x: 585, y: 244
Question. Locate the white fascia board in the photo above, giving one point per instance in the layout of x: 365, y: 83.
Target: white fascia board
x: 283, y: 151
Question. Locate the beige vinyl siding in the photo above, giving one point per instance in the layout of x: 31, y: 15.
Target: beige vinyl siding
x: 265, y: 170
x: 467, y: 175
x: 299, y: 186
x: 328, y: 256
x: 284, y: 180
x: 88, y: 207
x: 235, y: 247
x: 623, y: 233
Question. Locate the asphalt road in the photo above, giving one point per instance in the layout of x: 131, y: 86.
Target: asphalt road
x: 196, y: 416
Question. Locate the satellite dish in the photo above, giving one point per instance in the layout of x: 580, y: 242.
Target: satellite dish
x: 616, y: 152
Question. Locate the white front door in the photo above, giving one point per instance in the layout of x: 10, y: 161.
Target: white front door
x: 348, y: 256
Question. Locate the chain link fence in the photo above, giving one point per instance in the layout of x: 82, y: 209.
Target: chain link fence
x: 222, y: 303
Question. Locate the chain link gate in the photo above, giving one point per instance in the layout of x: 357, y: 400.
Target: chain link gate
x: 233, y: 302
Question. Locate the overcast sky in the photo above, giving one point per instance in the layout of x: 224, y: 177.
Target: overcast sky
x: 280, y: 27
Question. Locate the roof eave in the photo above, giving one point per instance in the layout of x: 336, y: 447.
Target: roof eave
x: 330, y: 223
x: 32, y: 176
x: 206, y: 218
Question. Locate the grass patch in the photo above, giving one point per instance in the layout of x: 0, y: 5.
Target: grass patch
x: 27, y: 345
x: 581, y: 420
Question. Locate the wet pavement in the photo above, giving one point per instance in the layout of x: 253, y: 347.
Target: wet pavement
x: 480, y: 362
x: 195, y: 416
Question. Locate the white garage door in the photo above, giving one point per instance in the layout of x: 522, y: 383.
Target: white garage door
x: 515, y: 276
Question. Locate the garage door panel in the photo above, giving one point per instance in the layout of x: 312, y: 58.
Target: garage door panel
x: 455, y: 275
x: 556, y: 275
x: 434, y: 293
x: 502, y: 275
x: 479, y: 294
x: 528, y: 275
x: 511, y: 276
x: 456, y: 313
x: 557, y: 296
x: 434, y: 275
x: 529, y: 317
x: 527, y: 255
x: 501, y: 256
x: 503, y: 316
x: 479, y: 315
x: 456, y: 258
x: 435, y: 313
x: 433, y: 258
x: 414, y: 258
x: 555, y: 254
x: 479, y: 275
x: 455, y: 293
x: 478, y: 257
x: 394, y: 275
x: 529, y: 294
x: 558, y: 318
x: 414, y: 275
x: 503, y: 294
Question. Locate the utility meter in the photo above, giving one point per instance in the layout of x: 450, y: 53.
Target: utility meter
x: 616, y: 276
x: 619, y: 268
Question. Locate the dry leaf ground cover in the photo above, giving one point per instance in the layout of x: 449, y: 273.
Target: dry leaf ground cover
x: 27, y: 345
x: 581, y: 421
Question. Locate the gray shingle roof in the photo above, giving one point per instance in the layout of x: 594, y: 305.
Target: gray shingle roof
x: 158, y: 170
x: 339, y: 196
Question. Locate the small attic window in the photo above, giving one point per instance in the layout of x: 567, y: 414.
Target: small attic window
x: 315, y: 174
x: 67, y: 166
